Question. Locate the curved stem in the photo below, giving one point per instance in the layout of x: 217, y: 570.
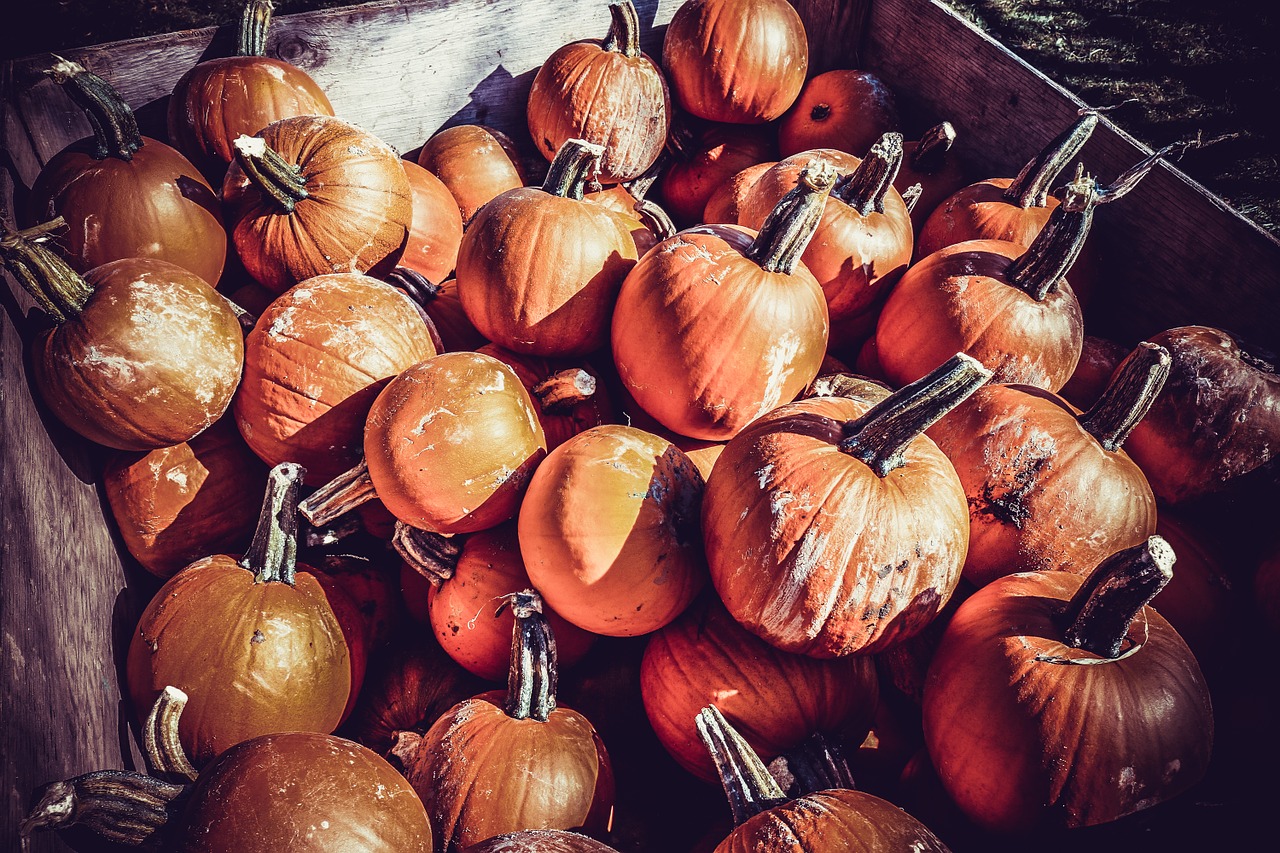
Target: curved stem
x: 1122, y: 185
x: 746, y: 781
x: 574, y: 162
x: 531, y: 678
x: 639, y: 187
x: 115, y: 130
x: 275, y: 177
x: 624, y: 32
x: 273, y: 553
x: 339, y: 496
x: 564, y: 389
x: 1039, y: 269
x: 255, y: 21
x: 1031, y: 187
x: 1099, y: 614
x: 420, y: 288
x: 119, y: 806
x: 930, y: 154
x: 655, y: 219
x: 160, y: 742
x: 432, y: 555
x: 787, y: 231
x: 864, y: 190
x: 60, y: 291
x: 1128, y: 396
x: 881, y: 435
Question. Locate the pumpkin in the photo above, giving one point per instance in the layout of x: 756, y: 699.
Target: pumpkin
x: 315, y: 361
x: 220, y: 99
x: 716, y: 283
x: 725, y: 205
x: 373, y: 587
x: 833, y: 526
x: 568, y: 397
x: 736, y: 61
x: 125, y: 195
x: 142, y: 353
x: 606, y: 92
x: 176, y: 504
x: 539, y: 268
x: 449, y: 446
x: 705, y: 157
x: 1006, y: 306
x: 843, y: 109
x: 1202, y: 601
x: 863, y: 242
x: 833, y: 818
x: 609, y: 534
x: 931, y: 163
x: 540, y: 841
x: 289, y: 651
x: 441, y: 304
x: 1099, y: 358
x: 436, y: 230
x: 775, y: 699
x: 649, y: 223
x: 1056, y: 700
x: 312, y: 195
x: 1049, y: 487
x: 501, y: 762
x: 475, y: 162
x: 461, y: 607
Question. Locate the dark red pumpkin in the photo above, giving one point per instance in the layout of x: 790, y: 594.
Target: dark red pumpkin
x: 930, y: 162
x: 1099, y: 358
x: 706, y: 157
x: 844, y: 109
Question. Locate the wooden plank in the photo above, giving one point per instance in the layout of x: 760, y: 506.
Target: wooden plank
x: 1176, y: 254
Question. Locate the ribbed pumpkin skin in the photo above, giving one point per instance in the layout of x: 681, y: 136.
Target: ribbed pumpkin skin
x: 540, y: 841
x: 176, y: 504
x: 254, y: 658
x: 855, y: 258
x: 303, y: 792
x: 153, y: 359
x: 451, y: 443
x: 481, y: 773
x: 774, y: 699
x: 607, y: 98
x: 690, y: 295
x: 538, y: 273
x: 436, y: 232
x: 156, y: 205
x: 222, y: 98
x: 737, y: 61
x: 727, y: 203
x: 1043, y: 494
x: 848, y: 821
x: 476, y: 163
x: 813, y: 552
x: 956, y: 300
x: 462, y: 608
x: 609, y: 531
x: 315, y: 361
x: 356, y: 218
x: 1020, y: 743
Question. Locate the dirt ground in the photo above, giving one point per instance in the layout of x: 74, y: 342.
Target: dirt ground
x: 1178, y: 66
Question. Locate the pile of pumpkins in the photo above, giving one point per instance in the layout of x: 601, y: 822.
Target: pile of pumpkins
x: 605, y: 427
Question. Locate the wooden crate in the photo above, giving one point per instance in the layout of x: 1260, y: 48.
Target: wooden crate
x: 69, y: 594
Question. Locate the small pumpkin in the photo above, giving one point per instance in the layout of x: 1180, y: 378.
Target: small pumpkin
x: 845, y: 109
x: 726, y: 203
x: 568, y: 396
x: 475, y: 162
x: 1099, y: 359
x: 441, y: 304
x: 930, y: 162
x: 540, y: 841
x: 706, y: 156
x: 436, y: 232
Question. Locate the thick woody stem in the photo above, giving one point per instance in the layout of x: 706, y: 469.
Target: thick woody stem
x: 880, y: 437
x: 655, y: 219
x: 1128, y: 396
x: 746, y: 781
x: 432, y: 555
x: 1031, y: 187
x: 564, y: 389
x: 930, y: 154
x: 1039, y: 269
x: 574, y: 162
x: 420, y: 288
x: 639, y: 187
x: 1099, y: 614
x: 531, y: 677
x: 624, y: 32
x: 275, y: 177
x: 121, y: 807
x: 339, y: 496
x: 165, y: 755
x: 115, y: 129
x: 255, y: 21
x: 864, y: 190
x: 60, y: 291
x: 790, y: 225
x: 273, y: 553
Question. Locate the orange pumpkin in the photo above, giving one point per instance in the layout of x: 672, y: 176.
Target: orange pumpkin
x: 568, y: 397
x: 930, y: 162
x: 476, y: 163
x: 705, y: 158
x: 436, y: 232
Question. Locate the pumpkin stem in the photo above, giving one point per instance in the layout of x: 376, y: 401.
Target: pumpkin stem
x: 564, y: 389
x: 339, y: 496
x: 880, y: 436
x: 165, y: 755
x: 60, y: 291
x: 911, y: 196
x: 655, y: 219
x: 254, y: 23
x: 1128, y: 396
x: 1131, y: 178
x: 1099, y: 614
x: 1031, y: 187
x: 1039, y: 269
x: 865, y: 188
x: 531, y: 678
x: 639, y: 187
x: 126, y: 808
x: 278, y: 179
x: 746, y: 781
x: 932, y: 149
x: 420, y: 288
x: 432, y: 555
x: 812, y: 766
x: 273, y: 553
x: 787, y: 231
x: 115, y: 129
x: 574, y: 162
x: 624, y: 32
